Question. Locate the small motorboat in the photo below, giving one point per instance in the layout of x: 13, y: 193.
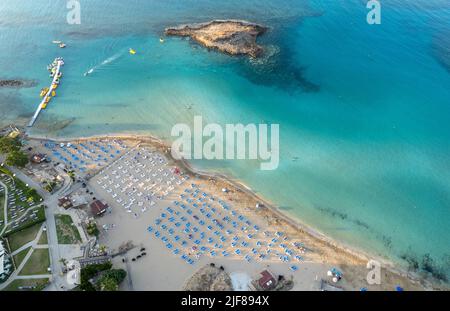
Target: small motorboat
x: 62, y: 45
x: 132, y: 52
x: 53, y: 93
x: 161, y: 40
x: 88, y: 72
x: 56, y: 42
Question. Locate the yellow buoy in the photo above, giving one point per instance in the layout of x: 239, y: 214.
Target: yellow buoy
x: 132, y: 52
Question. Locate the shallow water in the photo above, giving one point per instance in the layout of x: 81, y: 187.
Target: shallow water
x: 363, y: 110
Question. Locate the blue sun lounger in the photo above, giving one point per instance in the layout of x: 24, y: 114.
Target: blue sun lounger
x: 299, y: 258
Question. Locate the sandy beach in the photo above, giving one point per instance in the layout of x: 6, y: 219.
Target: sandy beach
x: 309, y: 256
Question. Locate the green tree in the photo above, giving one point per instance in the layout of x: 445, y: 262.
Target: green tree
x: 71, y: 175
x: 89, y: 272
x: 111, y: 279
x: 117, y: 274
x: 17, y: 158
x: 108, y: 284
x: 92, y: 229
x: 8, y: 144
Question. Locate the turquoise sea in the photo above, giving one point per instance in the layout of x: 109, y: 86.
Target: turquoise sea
x: 364, y: 110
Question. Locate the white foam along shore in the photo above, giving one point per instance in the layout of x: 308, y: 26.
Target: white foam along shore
x: 291, y: 220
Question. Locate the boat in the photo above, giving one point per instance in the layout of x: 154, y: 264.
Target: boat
x: 89, y: 72
x: 161, y: 40
x: 44, y: 105
x: 56, y: 42
x: 54, y: 86
x: 53, y: 93
x: 132, y: 52
x: 43, y: 92
x: 62, y: 45
x: 47, y: 100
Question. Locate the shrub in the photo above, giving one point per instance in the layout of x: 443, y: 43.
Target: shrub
x: 8, y: 144
x: 92, y: 229
x: 17, y: 158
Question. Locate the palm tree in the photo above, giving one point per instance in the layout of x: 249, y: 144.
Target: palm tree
x: 102, y: 249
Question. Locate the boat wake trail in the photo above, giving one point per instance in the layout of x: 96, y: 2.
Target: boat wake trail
x: 103, y: 63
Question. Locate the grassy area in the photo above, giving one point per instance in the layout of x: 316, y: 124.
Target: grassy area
x: 66, y: 231
x: 37, y: 284
x: 24, y: 205
x: 38, y: 263
x: 40, y: 218
x: 29, y: 198
x: 30, y: 192
x: 18, y: 258
x: 2, y: 209
x: 43, y: 239
x: 16, y: 240
x: 5, y: 171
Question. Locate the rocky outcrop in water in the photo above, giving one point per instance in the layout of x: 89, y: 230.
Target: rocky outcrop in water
x: 228, y: 36
x: 16, y: 83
